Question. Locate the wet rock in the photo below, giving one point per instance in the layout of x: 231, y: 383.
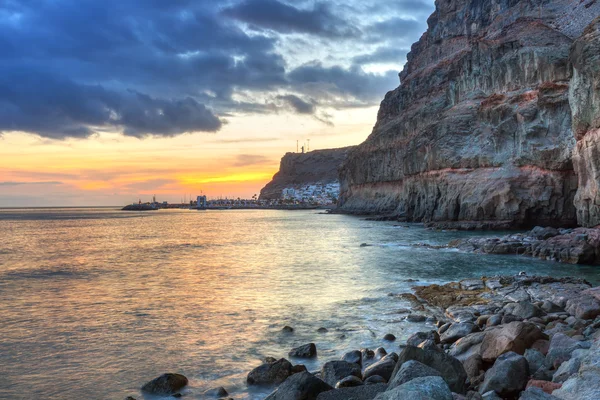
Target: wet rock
x: 515, y: 337
x: 349, y: 381
x: 374, y: 379
x: 508, y: 376
x: 365, y: 392
x: 298, y: 368
x: 270, y: 373
x: 415, y: 318
x: 302, y: 386
x: 535, y: 393
x: 424, y: 388
x: 444, y: 327
x: 353, y: 357
x: 457, y: 331
x: 287, y: 329
x: 449, y: 367
x: 166, y: 384
x: 494, y: 320
x: 429, y: 345
x: 380, y: 352
x: 305, y: 351
x: 270, y: 360
x: 410, y: 370
x: 322, y: 330
x: 417, y: 338
x: 334, y: 371
x: 542, y: 233
x: 467, y: 346
x: 561, y: 348
x: 383, y: 368
x: 471, y: 284
x: 216, y: 393
x: 389, y: 337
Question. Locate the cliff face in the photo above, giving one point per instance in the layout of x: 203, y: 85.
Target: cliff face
x: 585, y: 105
x: 301, y: 169
x: 480, y: 128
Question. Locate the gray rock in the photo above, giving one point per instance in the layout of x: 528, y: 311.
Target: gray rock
x: 380, y: 352
x: 216, y: 393
x: 467, y: 346
x: 374, y: 379
x: 415, y: 318
x: 535, y: 359
x: 550, y: 307
x: 383, y: 368
x: 515, y: 336
x: 349, y: 381
x: 270, y: 373
x: 287, y: 329
x: 302, y: 386
x: 353, y: 357
x: 535, y: 393
x: 493, y: 284
x: 417, y: 338
x: 365, y: 392
x: 449, y: 367
x: 457, y: 331
x: 166, y: 384
x: 566, y: 370
x: 334, y: 371
x: 561, y: 348
x: 425, y: 388
x: 444, y: 327
x: 491, y: 395
x: 494, y: 320
x: 508, y: 376
x: 410, y: 370
x: 526, y: 310
x: 473, y: 366
x: 471, y: 284
x: 584, y: 307
x: 389, y: 337
x: 305, y: 351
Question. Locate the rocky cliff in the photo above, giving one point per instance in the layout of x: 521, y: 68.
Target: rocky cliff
x: 480, y: 129
x: 301, y: 169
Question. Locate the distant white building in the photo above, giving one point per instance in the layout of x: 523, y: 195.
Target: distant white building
x: 320, y: 193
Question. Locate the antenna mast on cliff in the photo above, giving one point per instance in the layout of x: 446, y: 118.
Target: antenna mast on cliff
x: 307, y: 145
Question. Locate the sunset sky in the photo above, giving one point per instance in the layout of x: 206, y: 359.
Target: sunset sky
x: 105, y: 102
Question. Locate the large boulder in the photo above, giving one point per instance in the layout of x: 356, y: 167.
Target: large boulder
x: 410, y: 370
x: 166, y: 384
x: 302, y: 386
x: 525, y: 310
x: 534, y: 393
x: 334, y: 371
x: 508, y: 376
x: 468, y: 346
x: 516, y: 337
x: 425, y: 388
x: 270, y: 373
x: 383, y: 368
x: 353, y: 357
x: 417, y: 338
x: 449, y: 367
x: 561, y: 349
x: 305, y: 351
x: 583, y: 307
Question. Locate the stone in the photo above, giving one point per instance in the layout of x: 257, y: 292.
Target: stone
x: 305, y: 351
x: 545, y: 386
x: 491, y: 395
x: 494, y: 320
x: 417, y: 338
x: 380, y: 352
x: 526, y: 310
x: 471, y: 284
x: 467, y: 346
x: 513, y: 337
x: 349, y: 381
x: 561, y: 348
x: 444, y: 327
x: 287, y: 329
x: 270, y: 360
x: 270, y: 373
x: 566, y: 370
x: 354, y: 356
x: 583, y: 307
x: 457, y: 331
x: 373, y: 379
x: 449, y: 367
x: 535, y: 393
x: 415, y: 318
x: 365, y: 392
x: 473, y: 366
x: 508, y: 376
x: 302, y: 386
x: 166, y: 384
x: 550, y: 307
x: 535, y: 359
x: 216, y: 393
x: 542, y: 346
x: 389, y: 337
x: 322, y: 330
x: 334, y: 371
x: 410, y: 370
x: 383, y: 368
x: 298, y: 368
x: 424, y: 388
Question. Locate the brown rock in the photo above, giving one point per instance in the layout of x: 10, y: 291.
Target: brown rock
x: 546, y: 386
x: 516, y: 336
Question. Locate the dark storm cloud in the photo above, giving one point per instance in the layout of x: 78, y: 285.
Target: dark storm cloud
x: 284, y: 18
x: 381, y: 55
x: 163, y: 68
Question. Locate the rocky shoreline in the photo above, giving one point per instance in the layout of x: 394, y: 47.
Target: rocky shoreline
x: 504, y: 337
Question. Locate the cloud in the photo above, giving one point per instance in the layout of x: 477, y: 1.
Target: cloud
x: 245, y: 160
x: 20, y: 183
x: 284, y: 18
x: 382, y: 55
x: 298, y: 105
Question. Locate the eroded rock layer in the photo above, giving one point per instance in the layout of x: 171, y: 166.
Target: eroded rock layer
x: 480, y: 128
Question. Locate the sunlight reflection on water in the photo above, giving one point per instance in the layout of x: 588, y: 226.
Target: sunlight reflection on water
x: 95, y: 302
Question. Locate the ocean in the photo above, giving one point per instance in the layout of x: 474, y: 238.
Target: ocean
x: 96, y: 302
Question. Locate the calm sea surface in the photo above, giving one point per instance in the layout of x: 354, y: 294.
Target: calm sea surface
x: 95, y: 302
